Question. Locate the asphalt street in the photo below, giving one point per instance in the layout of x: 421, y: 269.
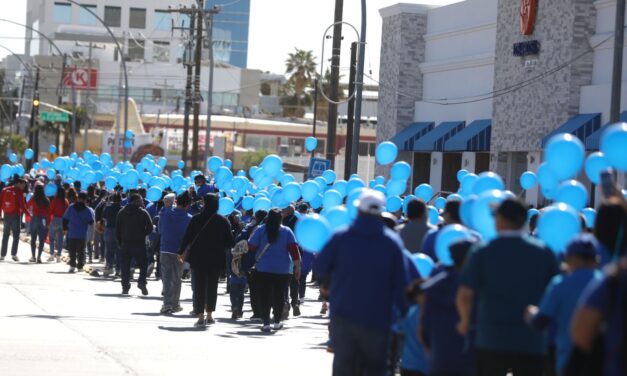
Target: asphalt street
x: 56, y: 323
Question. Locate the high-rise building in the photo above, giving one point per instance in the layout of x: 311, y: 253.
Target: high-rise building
x: 230, y: 31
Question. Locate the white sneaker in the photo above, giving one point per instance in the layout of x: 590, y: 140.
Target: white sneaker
x: 15, y: 258
x: 266, y: 328
x: 32, y: 259
x: 277, y: 326
x: 72, y: 269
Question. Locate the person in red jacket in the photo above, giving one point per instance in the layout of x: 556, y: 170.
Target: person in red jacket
x: 39, y: 209
x: 12, y: 205
x: 58, y: 206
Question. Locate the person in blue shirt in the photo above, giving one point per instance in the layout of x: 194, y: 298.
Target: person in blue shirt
x: 413, y: 357
x: 76, y: 220
x: 202, y: 188
x: 276, y: 253
x: 504, y: 276
x: 451, y: 216
x: 173, y: 222
x: 364, y: 309
x: 562, y: 294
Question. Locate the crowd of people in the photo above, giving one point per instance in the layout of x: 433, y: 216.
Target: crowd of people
x: 508, y: 305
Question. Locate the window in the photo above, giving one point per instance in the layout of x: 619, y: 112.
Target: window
x: 137, y: 18
x: 113, y: 16
x: 136, y: 49
x: 163, y: 20
x: 62, y: 13
x: 161, y: 51
x: 86, y: 18
x: 156, y: 95
x: 184, y: 20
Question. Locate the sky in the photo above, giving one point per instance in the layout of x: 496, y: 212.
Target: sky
x: 277, y: 27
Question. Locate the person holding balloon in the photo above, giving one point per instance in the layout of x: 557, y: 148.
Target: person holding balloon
x: 12, y: 205
x: 39, y: 209
x: 417, y: 226
x: 451, y: 217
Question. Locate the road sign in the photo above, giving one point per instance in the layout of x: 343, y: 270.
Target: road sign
x: 317, y: 166
x: 54, y: 117
x: 81, y: 78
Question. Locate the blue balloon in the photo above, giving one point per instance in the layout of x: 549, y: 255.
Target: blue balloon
x: 572, y: 193
x: 181, y: 164
x: 564, y: 154
x: 51, y: 173
x: 52, y: 149
x: 613, y: 141
x: 163, y: 161
x: 262, y: 203
x: 528, y: 180
x: 393, y: 204
x: 13, y: 157
x: 465, y: 210
x: 482, y: 218
x: 337, y: 217
x: 214, y: 163
x: 557, y: 226
x: 291, y: 191
x: 424, y: 192
x: 386, y: 153
x: 154, y: 194
x: 6, y: 171
x: 353, y: 184
x: 400, y: 171
x: 60, y: 164
x: 329, y: 176
x: 382, y: 189
x: 454, y: 197
x: 310, y: 190
x: 396, y: 187
x: 449, y: 235
x: 272, y: 165
x: 331, y: 198
x: 488, y: 181
x: 460, y: 174
x: 316, y: 203
x: 50, y: 189
x: 424, y: 264
x: 311, y: 143
x: 225, y: 206
x: 228, y: 163
x: 313, y: 232
x: 29, y: 153
x: 379, y: 180
x: 590, y: 215
x: 547, y: 179
x: 322, y: 183
x: 223, y: 175
x: 434, y: 215
x: 129, y: 134
x: 351, y: 201
x: 467, y: 184
x: 532, y: 212
x: 595, y: 164
x: 341, y: 186
x: 128, y: 144
x: 247, y: 202
x: 440, y: 203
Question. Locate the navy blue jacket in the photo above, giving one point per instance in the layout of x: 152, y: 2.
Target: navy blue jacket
x: 172, y: 226
x: 367, y: 272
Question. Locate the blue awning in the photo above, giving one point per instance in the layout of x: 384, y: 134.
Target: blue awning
x: 582, y: 126
x: 593, y: 142
x: 405, y: 139
x: 475, y: 137
x: 435, y: 139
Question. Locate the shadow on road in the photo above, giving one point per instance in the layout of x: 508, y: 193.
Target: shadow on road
x: 182, y: 328
x: 113, y: 296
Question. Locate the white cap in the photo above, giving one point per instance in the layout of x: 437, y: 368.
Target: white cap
x: 371, y: 202
x: 169, y: 197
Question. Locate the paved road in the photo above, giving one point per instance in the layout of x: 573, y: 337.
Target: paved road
x: 55, y: 323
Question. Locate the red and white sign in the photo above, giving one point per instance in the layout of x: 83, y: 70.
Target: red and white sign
x: 81, y: 78
x: 528, y: 11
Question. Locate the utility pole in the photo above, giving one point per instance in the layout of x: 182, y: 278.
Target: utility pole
x: 617, y: 70
x: 350, y: 118
x: 315, y: 114
x: 359, y: 87
x: 197, y: 96
x: 33, y: 135
x: 74, y: 115
x: 209, y: 26
x: 335, y: 77
x: 60, y: 94
x: 90, y: 47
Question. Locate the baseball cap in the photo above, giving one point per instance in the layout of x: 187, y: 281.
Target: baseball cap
x: 585, y: 245
x: 371, y: 202
x: 169, y: 197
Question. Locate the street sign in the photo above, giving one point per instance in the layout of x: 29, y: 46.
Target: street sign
x: 81, y: 78
x: 54, y: 117
x: 317, y: 166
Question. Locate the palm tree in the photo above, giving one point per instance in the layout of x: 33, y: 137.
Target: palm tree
x: 301, y: 68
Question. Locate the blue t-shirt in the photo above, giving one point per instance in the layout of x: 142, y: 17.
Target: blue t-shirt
x: 610, y: 299
x: 559, y: 303
x: 276, y: 259
x: 507, y: 275
x: 413, y: 357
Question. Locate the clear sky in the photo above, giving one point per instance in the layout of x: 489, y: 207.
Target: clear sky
x: 276, y: 28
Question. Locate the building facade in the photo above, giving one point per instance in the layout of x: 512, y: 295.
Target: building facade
x: 465, y: 87
x: 230, y: 31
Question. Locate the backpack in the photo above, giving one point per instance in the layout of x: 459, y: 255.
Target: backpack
x: 239, y: 250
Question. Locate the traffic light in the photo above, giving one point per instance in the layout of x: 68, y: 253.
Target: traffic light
x: 36, y: 101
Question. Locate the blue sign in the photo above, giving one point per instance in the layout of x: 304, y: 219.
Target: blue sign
x: 317, y: 166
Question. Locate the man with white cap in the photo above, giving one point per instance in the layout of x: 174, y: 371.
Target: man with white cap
x: 363, y: 309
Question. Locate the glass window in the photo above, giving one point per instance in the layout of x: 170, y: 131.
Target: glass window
x: 62, y: 13
x: 136, y: 49
x: 137, y: 18
x: 86, y: 18
x: 184, y: 20
x: 113, y: 16
x: 161, y: 51
x: 163, y: 20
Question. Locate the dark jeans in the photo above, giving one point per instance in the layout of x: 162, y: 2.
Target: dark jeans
x: 236, y: 293
x: 56, y: 235
x: 11, y: 227
x: 136, y: 252
x: 358, y: 350
x: 205, y: 294
x: 76, y: 249
x: 271, y: 293
x: 253, y: 291
x: 291, y: 291
x: 496, y: 363
x: 99, y: 246
x: 302, y: 285
x: 38, y: 229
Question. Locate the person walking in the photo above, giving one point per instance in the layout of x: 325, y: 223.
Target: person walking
x: 132, y: 225
x: 417, y: 226
x: 173, y: 222
x: 39, y: 209
x: 503, y: 277
x: 113, y: 254
x: 293, y: 287
x: 12, y: 205
x: 76, y: 220
x: 58, y: 206
x: 363, y: 309
x: 204, y: 246
x: 276, y: 252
